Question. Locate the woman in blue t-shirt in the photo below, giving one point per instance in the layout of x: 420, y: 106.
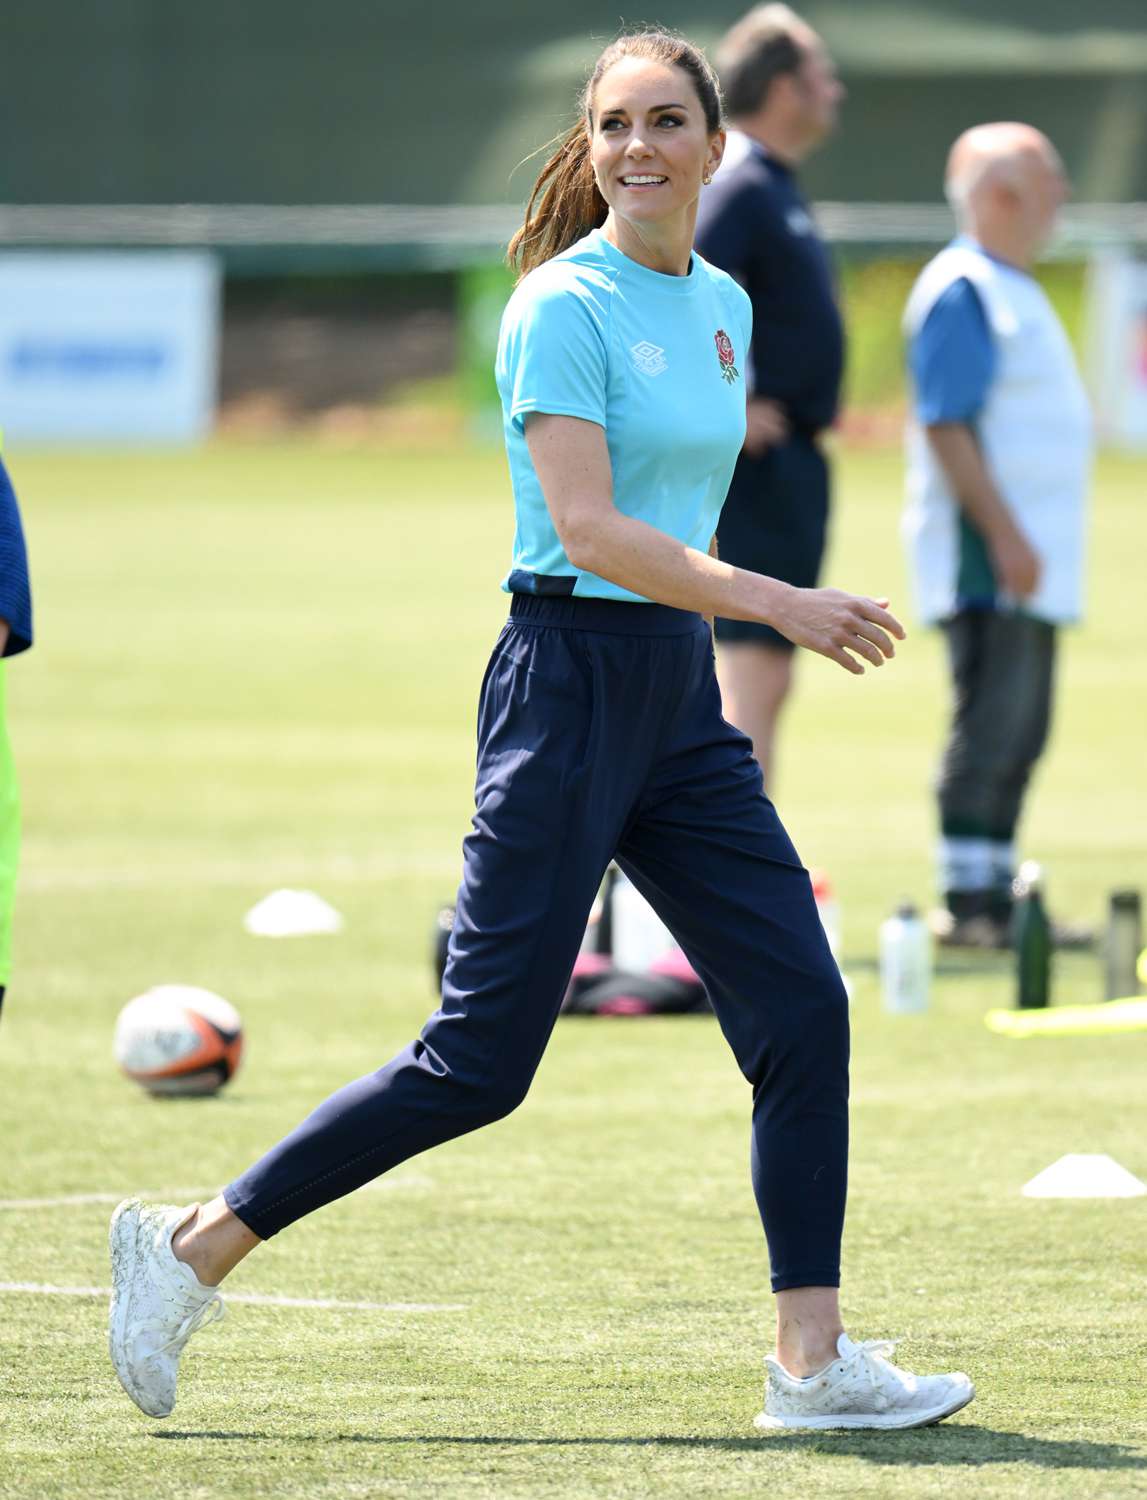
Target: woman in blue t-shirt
x: 600, y: 736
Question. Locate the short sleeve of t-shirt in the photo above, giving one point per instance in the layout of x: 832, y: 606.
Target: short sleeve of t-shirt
x: 552, y: 347
x: 952, y: 357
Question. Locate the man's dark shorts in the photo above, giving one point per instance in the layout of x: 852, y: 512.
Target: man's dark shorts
x: 775, y: 521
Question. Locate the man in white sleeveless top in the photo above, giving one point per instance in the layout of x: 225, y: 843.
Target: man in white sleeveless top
x: 999, y: 453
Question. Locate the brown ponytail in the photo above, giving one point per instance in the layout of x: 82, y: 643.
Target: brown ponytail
x: 565, y: 203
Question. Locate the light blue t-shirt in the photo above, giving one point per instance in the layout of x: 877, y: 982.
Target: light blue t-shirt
x: 657, y: 361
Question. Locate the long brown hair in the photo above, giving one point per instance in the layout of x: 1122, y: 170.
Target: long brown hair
x: 565, y: 203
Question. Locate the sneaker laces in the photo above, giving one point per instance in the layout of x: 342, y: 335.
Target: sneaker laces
x: 207, y: 1312
x: 873, y: 1359
x: 876, y: 1348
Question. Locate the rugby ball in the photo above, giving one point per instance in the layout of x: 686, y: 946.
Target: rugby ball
x: 177, y: 1040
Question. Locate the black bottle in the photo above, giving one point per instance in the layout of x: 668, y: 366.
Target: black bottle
x: 1031, y: 937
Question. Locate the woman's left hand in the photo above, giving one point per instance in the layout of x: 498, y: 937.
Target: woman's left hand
x: 834, y: 623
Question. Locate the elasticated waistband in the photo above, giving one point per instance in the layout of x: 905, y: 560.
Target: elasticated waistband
x: 605, y: 616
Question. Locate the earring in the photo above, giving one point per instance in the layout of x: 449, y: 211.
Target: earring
x: 706, y: 179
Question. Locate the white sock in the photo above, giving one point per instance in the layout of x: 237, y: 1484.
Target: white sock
x: 1003, y: 863
x: 966, y: 864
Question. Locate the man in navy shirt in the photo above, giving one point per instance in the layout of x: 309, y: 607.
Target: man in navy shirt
x: 15, y: 636
x: 782, y: 95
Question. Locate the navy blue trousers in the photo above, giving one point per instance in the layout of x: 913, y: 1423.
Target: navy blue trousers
x: 600, y: 735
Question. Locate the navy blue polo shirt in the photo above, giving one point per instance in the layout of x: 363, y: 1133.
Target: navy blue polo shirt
x: 15, y: 591
x: 754, y: 223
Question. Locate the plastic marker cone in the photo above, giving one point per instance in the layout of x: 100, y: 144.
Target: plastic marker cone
x: 292, y: 914
x: 1081, y: 1176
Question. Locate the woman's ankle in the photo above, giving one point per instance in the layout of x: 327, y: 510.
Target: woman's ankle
x: 808, y: 1327
x: 212, y: 1242
x: 806, y: 1360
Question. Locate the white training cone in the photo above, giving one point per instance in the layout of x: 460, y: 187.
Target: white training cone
x: 1078, y: 1175
x: 292, y: 914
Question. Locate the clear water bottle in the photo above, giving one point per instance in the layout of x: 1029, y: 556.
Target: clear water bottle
x: 1031, y: 937
x: 905, y: 962
x: 638, y: 934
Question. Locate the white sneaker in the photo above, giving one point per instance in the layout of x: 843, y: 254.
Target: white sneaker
x: 863, y: 1388
x: 157, y: 1302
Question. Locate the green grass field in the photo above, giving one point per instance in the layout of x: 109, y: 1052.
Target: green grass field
x: 257, y: 667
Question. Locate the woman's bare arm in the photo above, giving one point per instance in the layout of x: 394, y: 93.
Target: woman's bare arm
x: 715, y: 554
x: 571, y: 461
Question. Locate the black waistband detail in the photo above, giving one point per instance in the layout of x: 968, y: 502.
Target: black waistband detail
x: 522, y: 582
x: 606, y: 616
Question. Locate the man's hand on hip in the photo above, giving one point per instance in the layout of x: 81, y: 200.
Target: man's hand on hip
x: 766, y: 426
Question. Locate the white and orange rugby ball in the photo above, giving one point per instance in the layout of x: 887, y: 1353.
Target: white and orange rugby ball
x: 176, y: 1039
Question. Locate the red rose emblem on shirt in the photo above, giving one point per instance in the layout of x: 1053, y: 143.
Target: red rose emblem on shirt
x: 726, y: 356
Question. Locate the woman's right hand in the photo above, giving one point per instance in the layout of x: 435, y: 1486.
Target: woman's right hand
x: 835, y: 624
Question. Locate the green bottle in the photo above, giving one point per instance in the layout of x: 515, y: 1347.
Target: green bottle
x: 1031, y: 937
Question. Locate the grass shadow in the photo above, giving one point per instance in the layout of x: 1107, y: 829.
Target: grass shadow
x: 964, y: 1443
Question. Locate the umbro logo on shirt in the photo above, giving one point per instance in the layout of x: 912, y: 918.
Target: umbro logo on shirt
x: 649, y: 358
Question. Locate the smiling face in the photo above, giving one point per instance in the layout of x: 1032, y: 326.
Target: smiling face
x: 649, y: 142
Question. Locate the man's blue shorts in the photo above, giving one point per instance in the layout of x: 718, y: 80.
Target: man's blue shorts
x: 775, y: 522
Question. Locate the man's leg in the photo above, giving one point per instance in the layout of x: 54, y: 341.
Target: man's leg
x: 756, y: 679
x: 1002, y: 667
